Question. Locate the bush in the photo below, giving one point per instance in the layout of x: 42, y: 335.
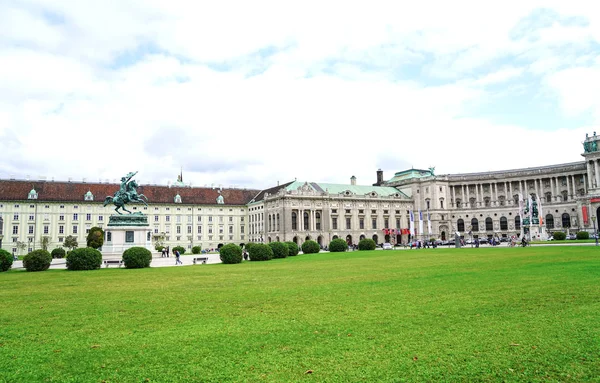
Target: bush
x: 85, y: 258
x: 196, y: 249
x: 366, y: 244
x: 259, y: 252
x: 95, y: 238
x: 249, y: 246
x: 280, y: 249
x: 559, y: 236
x: 583, y: 235
x: 159, y: 248
x: 59, y: 252
x: 180, y: 248
x: 137, y: 257
x: 231, y: 253
x: 293, y: 249
x: 6, y: 260
x: 310, y: 247
x: 338, y: 245
x: 37, y: 260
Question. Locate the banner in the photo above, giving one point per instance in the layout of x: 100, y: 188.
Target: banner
x: 428, y: 223
x: 540, y: 212
x: 412, y: 223
x: 420, y: 222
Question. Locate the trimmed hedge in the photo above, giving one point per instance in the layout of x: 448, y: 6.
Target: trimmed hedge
x: 293, y: 248
x: 310, y: 247
x: 231, y: 253
x: 583, y: 235
x: 280, y: 249
x: 95, y: 237
x: 180, y: 248
x: 84, y: 258
x: 366, y: 244
x: 6, y: 260
x: 260, y: 252
x: 196, y: 249
x: 59, y: 252
x: 137, y: 257
x: 37, y: 260
x: 338, y: 245
x: 249, y: 245
x: 559, y: 236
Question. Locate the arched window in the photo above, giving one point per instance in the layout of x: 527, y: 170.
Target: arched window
x: 458, y: 201
x: 294, y: 221
x: 278, y: 224
x: 305, y: 220
x: 549, y: 221
x: 566, y: 220
x: 443, y: 235
x: 517, y: 223
x: 489, y: 224
x: 318, y: 220
x: 375, y: 238
x: 460, y: 225
x: 474, y: 224
x: 503, y: 223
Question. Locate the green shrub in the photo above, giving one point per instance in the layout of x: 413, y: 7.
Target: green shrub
x: 249, y: 246
x: 180, y: 248
x: 196, y: 249
x: 366, y: 244
x: 95, y: 238
x: 559, y: 236
x: 6, y: 260
x: 59, y: 252
x: 310, y: 247
x: 260, y: 252
x: 231, y: 253
x: 338, y: 245
x: 293, y: 248
x: 37, y: 260
x: 159, y: 248
x: 583, y: 235
x: 137, y: 257
x: 84, y: 258
x: 280, y: 249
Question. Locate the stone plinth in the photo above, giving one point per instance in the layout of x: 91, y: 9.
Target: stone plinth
x: 125, y: 231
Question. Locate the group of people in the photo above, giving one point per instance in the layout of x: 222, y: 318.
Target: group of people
x: 165, y: 254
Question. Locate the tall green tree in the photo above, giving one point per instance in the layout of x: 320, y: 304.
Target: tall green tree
x: 70, y: 242
x: 95, y: 238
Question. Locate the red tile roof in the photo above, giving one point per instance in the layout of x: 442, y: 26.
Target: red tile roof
x: 17, y: 190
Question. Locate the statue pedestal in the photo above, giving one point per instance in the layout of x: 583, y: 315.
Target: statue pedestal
x: 125, y: 231
x: 536, y: 233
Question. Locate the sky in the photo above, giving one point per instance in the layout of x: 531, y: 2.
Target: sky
x: 251, y: 93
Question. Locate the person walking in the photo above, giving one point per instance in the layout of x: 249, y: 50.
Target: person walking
x: 177, y: 260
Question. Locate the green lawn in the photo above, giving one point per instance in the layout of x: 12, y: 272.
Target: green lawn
x: 467, y: 315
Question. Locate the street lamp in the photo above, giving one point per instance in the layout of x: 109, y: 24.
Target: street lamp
x: 595, y: 234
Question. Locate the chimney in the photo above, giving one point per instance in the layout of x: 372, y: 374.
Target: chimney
x: 352, y: 180
x: 379, y: 177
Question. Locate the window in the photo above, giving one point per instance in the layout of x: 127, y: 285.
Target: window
x: 210, y: 218
x: 75, y: 207
x: 168, y: 218
x: 489, y: 224
x: 474, y: 224
x: 46, y: 217
x: 334, y: 223
x: 75, y: 217
x: 550, y: 221
x: 334, y: 211
x: 199, y: 229
x: 178, y: 218
x: 460, y: 225
x: 31, y: 217
x: 517, y: 223
x: 88, y: 217
x: 129, y: 236
x: 398, y: 223
x: 210, y: 230
x: 220, y: 229
x: 230, y: 219
x: 60, y: 239
x: 178, y: 229
x: 503, y: 223
x: 241, y: 219
x: 16, y: 217
x: 373, y: 211
x: 317, y: 219
x: 16, y: 206
x: 168, y: 229
x: 61, y: 217
x: 15, y: 230
x: 305, y: 220
x: 386, y: 223
x: 441, y: 204
x: 566, y: 220
x: 46, y: 229
x: 61, y: 229
x: 230, y: 229
x: 386, y: 212
x: 347, y: 211
x: 100, y: 218
x: 348, y: 224
x: 374, y: 223
x: 361, y: 223
x: 242, y: 229
x: 189, y: 229
x: 294, y: 221
x: 74, y: 229
x: 30, y: 229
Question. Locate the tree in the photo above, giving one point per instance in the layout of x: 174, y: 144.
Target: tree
x: 70, y: 242
x: 44, y: 242
x: 159, y: 242
x: 21, y: 246
x: 95, y: 238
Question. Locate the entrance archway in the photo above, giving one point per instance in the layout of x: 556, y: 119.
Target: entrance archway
x: 320, y: 240
x: 295, y: 240
x: 362, y: 236
x: 307, y: 238
x: 334, y: 237
x: 375, y: 238
x: 349, y: 239
x: 443, y: 235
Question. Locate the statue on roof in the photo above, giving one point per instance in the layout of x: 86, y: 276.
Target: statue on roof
x: 432, y: 169
x: 127, y: 193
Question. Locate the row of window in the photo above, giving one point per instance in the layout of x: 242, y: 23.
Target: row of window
x: 16, y: 206
x: 489, y: 223
x: 199, y: 229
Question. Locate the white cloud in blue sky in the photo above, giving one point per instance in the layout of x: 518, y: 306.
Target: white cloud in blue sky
x: 251, y: 93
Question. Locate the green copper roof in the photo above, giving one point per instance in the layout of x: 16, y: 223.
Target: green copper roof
x: 410, y: 174
x: 341, y: 188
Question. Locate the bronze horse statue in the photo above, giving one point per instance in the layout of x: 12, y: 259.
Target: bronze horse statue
x: 126, y: 194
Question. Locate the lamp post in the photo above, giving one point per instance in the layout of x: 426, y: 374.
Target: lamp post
x: 595, y: 234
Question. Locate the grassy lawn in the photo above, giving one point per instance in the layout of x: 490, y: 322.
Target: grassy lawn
x: 467, y: 315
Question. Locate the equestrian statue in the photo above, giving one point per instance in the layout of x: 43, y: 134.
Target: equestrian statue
x: 127, y: 193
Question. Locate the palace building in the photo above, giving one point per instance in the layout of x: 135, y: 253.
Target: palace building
x: 477, y: 205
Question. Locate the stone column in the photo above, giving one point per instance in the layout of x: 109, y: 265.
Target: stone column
x: 509, y: 196
x: 537, y: 189
x: 465, y: 195
x: 574, y: 190
x: 479, y: 194
x: 589, y: 175
x: 568, y: 186
x: 453, y: 196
